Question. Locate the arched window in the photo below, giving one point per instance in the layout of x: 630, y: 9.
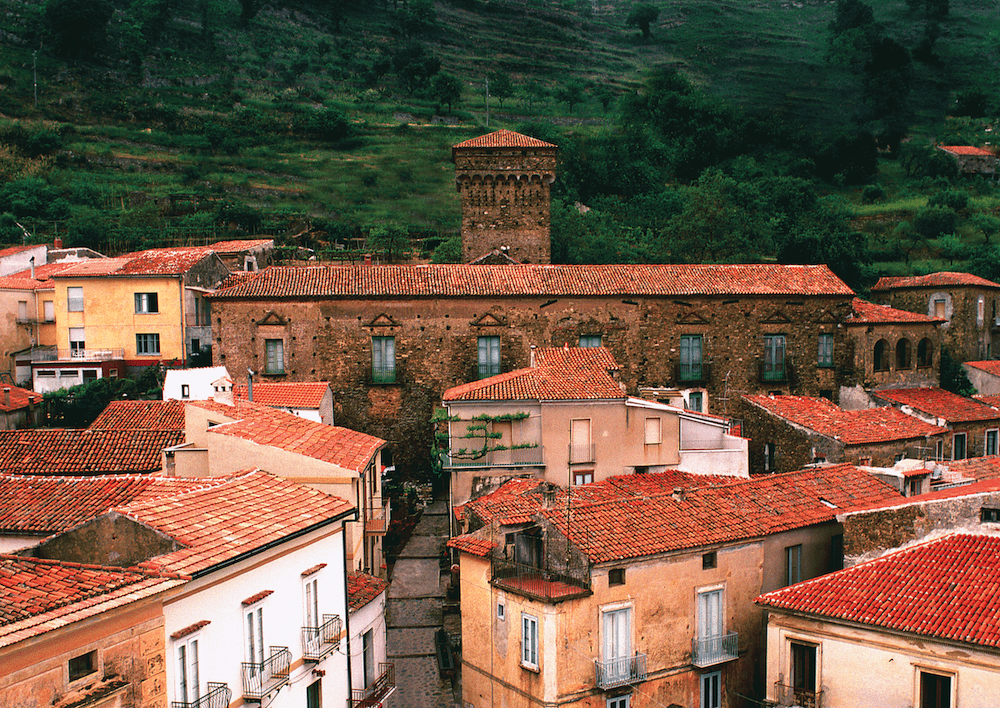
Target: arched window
x: 904, y: 352
x: 925, y: 352
x: 881, y: 362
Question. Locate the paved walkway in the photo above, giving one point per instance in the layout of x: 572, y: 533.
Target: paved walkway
x: 413, y: 614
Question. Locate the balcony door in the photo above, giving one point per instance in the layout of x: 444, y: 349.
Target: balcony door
x: 579, y: 441
x: 710, y: 614
x: 618, y: 643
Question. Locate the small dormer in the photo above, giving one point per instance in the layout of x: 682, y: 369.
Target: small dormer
x: 222, y: 390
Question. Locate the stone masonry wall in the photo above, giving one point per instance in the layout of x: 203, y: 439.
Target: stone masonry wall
x: 436, y: 347
x: 917, y: 373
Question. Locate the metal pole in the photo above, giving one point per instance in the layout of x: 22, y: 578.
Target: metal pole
x: 34, y: 71
x: 487, y: 101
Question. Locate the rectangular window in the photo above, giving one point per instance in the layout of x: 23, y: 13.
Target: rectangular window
x: 77, y: 342
x: 824, y: 356
x: 383, y: 360
x: 314, y: 694
x: 274, y: 352
x: 49, y: 310
x: 653, y: 431
x: 147, y: 343
x: 69, y: 373
x: 618, y: 644
x: 691, y: 350
x: 188, y: 682
x: 590, y: 341
x: 803, y: 669
x: 529, y: 641
x: 89, y: 375
x: 769, y: 454
x: 368, y: 657
x: 580, y: 448
x: 74, y: 299
x: 255, y: 635
x: 22, y: 310
x: 146, y: 303
x: 501, y: 611
x: 185, y: 391
x: 46, y: 374
x: 489, y: 356
x: 988, y: 515
x: 583, y: 477
x: 696, y: 401
x: 836, y: 552
x: 711, y: 695
x: 958, y: 451
x: 935, y: 690
x: 619, y: 702
x: 616, y: 576
x: 991, y: 442
x: 774, y: 358
x: 83, y: 665
x: 710, y: 619
x: 709, y: 560
x: 311, y: 600
x: 793, y: 564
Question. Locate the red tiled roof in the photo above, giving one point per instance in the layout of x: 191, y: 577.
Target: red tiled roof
x: 217, y: 523
x: 471, y: 544
x: 871, y: 425
x: 257, y: 423
x: 362, y: 588
x: 84, y: 452
x: 501, y: 139
x: 978, y: 468
x: 141, y: 415
x: 536, y: 280
x: 945, y: 588
x: 608, y: 521
x: 966, y: 150
x: 42, y: 280
x: 11, y: 250
x: 933, y: 280
x: 940, y: 403
x: 990, y: 367
x: 19, y: 398
x: 988, y: 400
x: 239, y: 245
x: 47, y: 505
x: 559, y: 374
x: 306, y: 394
x: 870, y: 313
x: 156, y: 261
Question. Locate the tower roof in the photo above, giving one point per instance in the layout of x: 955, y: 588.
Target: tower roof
x: 503, y: 139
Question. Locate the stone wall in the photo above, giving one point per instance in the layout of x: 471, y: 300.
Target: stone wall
x: 913, y: 370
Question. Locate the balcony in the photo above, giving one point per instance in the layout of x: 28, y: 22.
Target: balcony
x: 487, y: 370
x: 693, y: 373
x: 518, y: 457
x: 318, y: 642
x: 373, y: 694
x: 217, y: 697
x: 377, y: 520
x: 582, y: 454
x: 621, y: 671
x: 709, y: 651
x: 198, y: 320
x: 259, y: 679
x: 786, y: 695
x: 90, y: 354
x: 543, y: 584
x: 383, y: 374
x: 774, y: 371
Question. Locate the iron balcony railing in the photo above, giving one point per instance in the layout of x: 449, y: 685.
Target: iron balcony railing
x: 92, y: 354
x: 582, y: 454
x: 487, y: 370
x: 261, y: 678
x: 318, y: 642
x: 377, y: 520
x: 542, y: 584
x: 708, y: 651
x: 497, y: 458
x: 376, y: 692
x: 621, y: 671
x: 693, y: 373
x: 384, y: 374
x: 786, y: 695
x: 218, y: 696
x: 774, y: 370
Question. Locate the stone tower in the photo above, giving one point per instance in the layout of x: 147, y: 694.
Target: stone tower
x: 505, y: 180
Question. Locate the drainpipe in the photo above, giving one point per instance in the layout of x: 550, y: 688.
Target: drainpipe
x: 250, y: 384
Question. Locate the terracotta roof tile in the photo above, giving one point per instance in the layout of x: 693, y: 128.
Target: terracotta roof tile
x: 470, y: 544
x: 45, y: 505
x: 217, y: 523
x: 362, y: 588
x: 11, y: 250
x: 559, y: 374
x: 84, y: 452
x: 190, y: 629
x: 966, y: 150
x: 945, y: 588
x: 237, y: 245
x: 141, y: 415
x: 940, y: 403
x: 42, y: 280
x: 933, y: 280
x: 257, y: 597
x: 990, y: 367
x: 535, y: 280
x: 156, y: 261
x: 870, y: 313
x: 314, y: 569
x: 502, y: 139
x: 305, y: 394
x: 871, y: 425
x: 978, y: 468
x: 19, y: 398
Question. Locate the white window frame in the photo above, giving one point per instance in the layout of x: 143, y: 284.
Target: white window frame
x: 582, y: 477
x: 653, y: 431
x: 274, y: 356
x: 706, y: 623
x: 995, y: 434
x: 183, y: 656
x: 384, y: 359
x: 74, y: 299
x: 488, y: 356
x: 529, y: 641
x: 616, y: 638
x: 711, y: 690
x: 147, y: 303
x: 77, y: 342
x: 918, y: 688
x: 310, y: 602
x: 147, y: 343
x: 624, y: 701
x: 253, y: 633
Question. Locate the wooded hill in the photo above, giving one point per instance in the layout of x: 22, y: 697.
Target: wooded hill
x: 692, y: 130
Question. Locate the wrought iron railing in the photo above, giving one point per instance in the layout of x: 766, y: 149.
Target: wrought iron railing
x: 374, y: 693
x: 377, y: 520
x: 706, y: 651
x: 218, y: 696
x: 786, y: 695
x: 497, y: 458
x: 384, y: 374
x: 774, y: 370
x: 260, y: 678
x: 620, y: 671
x: 487, y: 370
x: 540, y: 583
x: 94, y: 354
x: 693, y: 373
x: 582, y: 454
x: 318, y: 642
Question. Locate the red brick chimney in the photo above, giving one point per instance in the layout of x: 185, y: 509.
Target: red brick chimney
x: 57, y: 243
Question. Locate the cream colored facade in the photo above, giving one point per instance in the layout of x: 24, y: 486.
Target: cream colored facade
x: 576, y: 442
x: 863, y: 666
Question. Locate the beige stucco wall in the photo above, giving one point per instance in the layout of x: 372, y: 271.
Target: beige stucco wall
x: 16, y: 336
x: 862, y: 667
x: 816, y: 543
x: 985, y: 382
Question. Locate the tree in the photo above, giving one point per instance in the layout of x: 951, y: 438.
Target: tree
x: 389, y: 239
x: 571, y: 93
x: 953, y: 376
x: 78, y: 27
x: 447, y: 89
x: 501, y: 86
x: 642, y: 17
x: 414, y: 66
x: 248, y: 10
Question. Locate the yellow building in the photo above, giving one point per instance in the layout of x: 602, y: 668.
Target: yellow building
x: 142, y: 307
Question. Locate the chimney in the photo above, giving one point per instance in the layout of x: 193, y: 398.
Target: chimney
x: 6, y: 396
x: 250, y: 385
x: 678, y: 494
x: 368, y: 259
x: 532, y: 364
x: 548, y: 497
x: 32, y: 261
x: 57, y: 243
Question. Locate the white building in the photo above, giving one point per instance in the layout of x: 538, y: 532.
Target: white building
x: 192, y: 384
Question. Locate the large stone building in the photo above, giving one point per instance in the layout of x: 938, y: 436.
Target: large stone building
x: 505, y: 180
x: 391, y: 339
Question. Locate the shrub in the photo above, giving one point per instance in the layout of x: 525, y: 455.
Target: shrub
x: 872, y: 193
x: 952, y: 198
x: 934, y: 221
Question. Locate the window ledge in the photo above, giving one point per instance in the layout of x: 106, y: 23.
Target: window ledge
x: 530, y: 667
